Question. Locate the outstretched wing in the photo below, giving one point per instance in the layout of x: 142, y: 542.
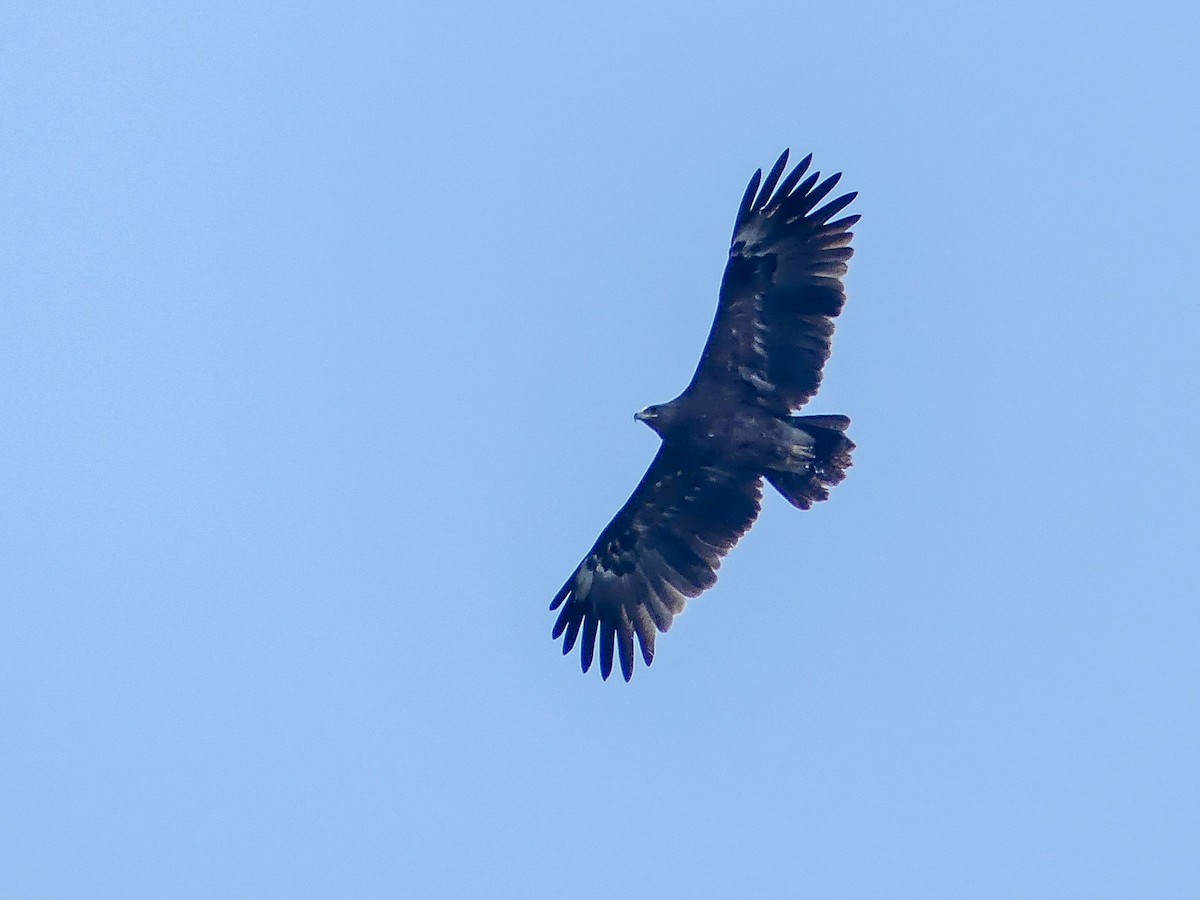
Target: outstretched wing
x: 663, y: 547
x: 781, y: 291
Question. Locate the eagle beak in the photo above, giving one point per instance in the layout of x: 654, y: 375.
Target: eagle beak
x: 644, y: 416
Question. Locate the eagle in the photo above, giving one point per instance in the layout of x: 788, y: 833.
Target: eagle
x: 734, y: 425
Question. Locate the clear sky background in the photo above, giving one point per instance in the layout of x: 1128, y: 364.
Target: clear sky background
x: 321, y: 330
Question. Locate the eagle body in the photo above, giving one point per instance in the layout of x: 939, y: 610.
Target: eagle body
x: 742, y: 437
x: 733, y: 427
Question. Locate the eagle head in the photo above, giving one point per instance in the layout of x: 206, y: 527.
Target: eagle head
x: 655, y: 416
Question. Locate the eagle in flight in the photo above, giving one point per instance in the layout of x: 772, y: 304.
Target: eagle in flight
x: 733, y: 425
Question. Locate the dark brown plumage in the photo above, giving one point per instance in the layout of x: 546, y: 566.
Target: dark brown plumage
x: 732, y: 426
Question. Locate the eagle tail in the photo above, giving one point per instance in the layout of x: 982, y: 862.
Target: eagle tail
x: 830, y: 459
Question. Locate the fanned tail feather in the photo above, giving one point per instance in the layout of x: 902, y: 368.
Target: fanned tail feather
x: 830, y: 459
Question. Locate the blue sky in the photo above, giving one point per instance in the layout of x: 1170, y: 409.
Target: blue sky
x: 321, y: 336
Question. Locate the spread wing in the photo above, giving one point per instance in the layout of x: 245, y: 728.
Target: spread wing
x: 781, y: 291
x: 663, y: 547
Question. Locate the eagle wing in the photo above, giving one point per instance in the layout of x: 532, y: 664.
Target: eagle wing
x: 663, y: 547
x: 781, y: 291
